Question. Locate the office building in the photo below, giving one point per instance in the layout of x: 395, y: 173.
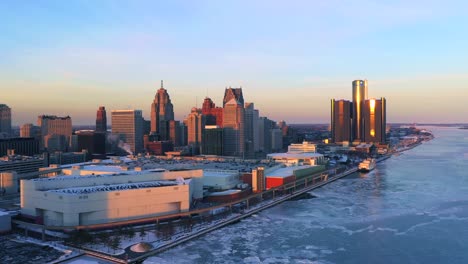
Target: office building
x: 359, y: 96
x: 361, y: 120
x: 93, y: 142
x: 265, y: 126
x: 19, y: 146
x: 158, y: 148
x: 212, y: 143
x: 161, y: 110
x: 213, y: 115
x: 101, y: 120
x: 276, y: 139
x: 195, y: 126
x: 55, y: 132
x: 64, y: 158
x: 258, y: 179
x: 174, y: 133
x: 375, y: 119
x: 5, y: 121
x: 30, y: 131
x: 234, y: 128
x: 341, y: 121
x: 23, y: 164
x: 251, y: 130
x: 304, y: 147
x: 233, y: 93
x: 128, y: 126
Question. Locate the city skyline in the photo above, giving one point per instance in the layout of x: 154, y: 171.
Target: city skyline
x: 69, y: 58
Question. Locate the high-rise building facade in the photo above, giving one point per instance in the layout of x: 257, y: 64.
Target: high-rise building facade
x: 359, y: 96
x: 30, y: 131
x: 161, y: 110
x: 93, y: 142
x: 233, y: 93
x: 212, y: 143
x: 251, y: 130
x: 195, y: 127
x: 265, y: 126
x: 213, y: 114
x: 101, y: 120
x: 128, y: 126
x: 5, y: 121
x: 375, y: 120
x: 341, y: 121
x: 233, y: 129
x: 56, y: 132
x: 20, y: 146
x: 174, y: 133
x: 361, y: 120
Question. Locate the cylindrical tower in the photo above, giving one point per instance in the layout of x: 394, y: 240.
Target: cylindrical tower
x: 359, y: 95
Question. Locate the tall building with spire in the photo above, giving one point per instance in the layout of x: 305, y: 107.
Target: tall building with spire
x: 101, y: 120
x: 5, y: 121
x: 162, y: 110
x: 233, y: 93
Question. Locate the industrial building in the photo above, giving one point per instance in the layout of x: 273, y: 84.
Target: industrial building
x: 96, y: 199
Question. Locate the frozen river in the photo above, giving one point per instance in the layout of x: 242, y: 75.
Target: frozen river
x: 412, y: 208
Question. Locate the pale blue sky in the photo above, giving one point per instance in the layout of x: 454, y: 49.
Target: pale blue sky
x: 290, y: 57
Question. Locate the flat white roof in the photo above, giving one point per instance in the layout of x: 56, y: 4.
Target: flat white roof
x: 294, y: 155
x: 114, y: 187
x: 285, y: 172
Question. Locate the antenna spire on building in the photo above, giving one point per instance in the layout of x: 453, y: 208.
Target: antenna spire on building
x: 162, y: 86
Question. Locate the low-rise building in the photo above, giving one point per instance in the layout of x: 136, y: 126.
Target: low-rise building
x: 99, y: 199
x: 297, y: 158
x: 221, y: 179
x: 305, y: 147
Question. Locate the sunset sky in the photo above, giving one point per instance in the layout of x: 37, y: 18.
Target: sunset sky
x: 290, y: 57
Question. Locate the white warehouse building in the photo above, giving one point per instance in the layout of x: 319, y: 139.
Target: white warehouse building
x: 97, y: 199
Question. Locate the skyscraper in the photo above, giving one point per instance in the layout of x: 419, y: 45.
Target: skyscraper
x: 233, y: 128
x: 101, y: 120
x: 55, y: 130
x: 5, y: 121
x: 195, y: 127
x: 375, y: 120
x: 251, y: 130
x: 359, y: 96
x: 233, y: 93
x: 128, y: 126
x: 174, y: 133
x: 341, y: 120
x: 161, y: 110
x: 265, y: 126
x: 362, y: 120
